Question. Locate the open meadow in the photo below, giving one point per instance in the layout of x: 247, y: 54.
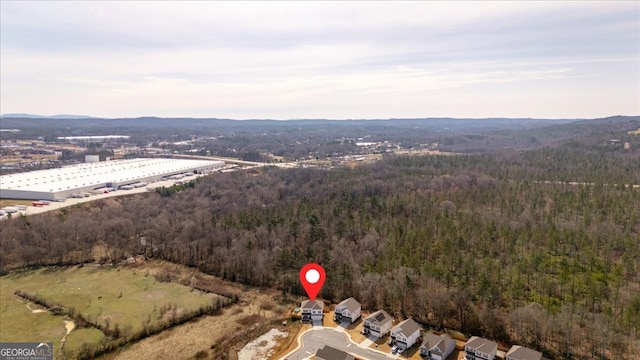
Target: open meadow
x: 116, y: 302
x: 217, y: 336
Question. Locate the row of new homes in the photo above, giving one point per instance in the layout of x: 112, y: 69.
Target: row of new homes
x: 408, y: 332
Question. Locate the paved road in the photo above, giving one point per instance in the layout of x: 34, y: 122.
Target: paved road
x: 238, y: 161
x: 56, y: 205
x: 319, y: 337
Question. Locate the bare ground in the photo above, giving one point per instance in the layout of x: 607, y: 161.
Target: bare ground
x: 198, y: 337
x: 261, y: 347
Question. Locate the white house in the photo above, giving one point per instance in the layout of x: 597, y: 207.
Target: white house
x: 377, y: 324
x: 311, y: 310
x: 405, y: 334
x: 348, y: 309
x: 522, y: 353
x: 478, y: 348
x: 437, y: 347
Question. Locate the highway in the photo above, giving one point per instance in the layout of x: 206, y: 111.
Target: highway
x: 250, y: 164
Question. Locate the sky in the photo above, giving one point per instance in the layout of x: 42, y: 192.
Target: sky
x: 321, y: 60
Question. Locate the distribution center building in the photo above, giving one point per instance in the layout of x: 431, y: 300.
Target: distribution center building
x: 69, y: 181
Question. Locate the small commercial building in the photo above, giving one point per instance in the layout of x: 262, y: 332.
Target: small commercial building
x: 91, y: 158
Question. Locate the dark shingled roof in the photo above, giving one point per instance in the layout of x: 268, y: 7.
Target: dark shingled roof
x: 407, y: 327
x: 482, y: 344
x: 379, y: 317
x: 523, y: 353
x: 313, y: 305
x: 351, y: 304
x: 439, y: 342
x: 329, y: 353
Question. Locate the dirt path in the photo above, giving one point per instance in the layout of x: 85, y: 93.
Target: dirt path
x: 36, y: 311
x: 69, y: 325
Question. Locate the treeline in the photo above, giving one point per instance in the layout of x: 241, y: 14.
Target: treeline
x: 120, y: 338
x: 475, y: 243
x: 116, y: 337
x: 165, y: 191
x: 569, y: 163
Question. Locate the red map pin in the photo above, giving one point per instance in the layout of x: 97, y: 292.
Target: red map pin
x: 312, y: 277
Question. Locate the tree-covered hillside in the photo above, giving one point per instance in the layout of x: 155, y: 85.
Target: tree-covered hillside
x: 540, y: 248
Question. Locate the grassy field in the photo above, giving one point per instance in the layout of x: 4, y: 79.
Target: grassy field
x: 126, y: 297
x: 14, y: 202
x: 194, y: 339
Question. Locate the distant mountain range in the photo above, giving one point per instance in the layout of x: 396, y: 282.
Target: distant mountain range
x: 311, y: 121
x: 32, y: 116
x: 314, y: 120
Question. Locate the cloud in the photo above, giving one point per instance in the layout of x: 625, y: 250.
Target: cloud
x: 354, y: 59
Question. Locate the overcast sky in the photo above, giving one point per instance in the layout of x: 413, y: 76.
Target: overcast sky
x: 335, y: 60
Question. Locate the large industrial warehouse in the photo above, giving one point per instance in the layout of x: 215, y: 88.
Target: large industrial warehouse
x: 71, y: 181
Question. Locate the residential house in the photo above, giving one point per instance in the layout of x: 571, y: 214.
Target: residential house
x: 312, y: 310
x: 405, y: 334
x: 377, y: 324
x: 522, y: 353
x: 348, y: 309
x: 437, y: 347
x: 329, y: 353
x: 478, y: 348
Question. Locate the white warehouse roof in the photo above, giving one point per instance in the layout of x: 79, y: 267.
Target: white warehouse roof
x: 63, y: 182
x: 94, y: 138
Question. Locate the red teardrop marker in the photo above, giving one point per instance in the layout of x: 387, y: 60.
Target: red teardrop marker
x: 312, y: 277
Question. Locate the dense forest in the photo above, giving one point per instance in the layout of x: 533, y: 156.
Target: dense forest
x: 539, y: 248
